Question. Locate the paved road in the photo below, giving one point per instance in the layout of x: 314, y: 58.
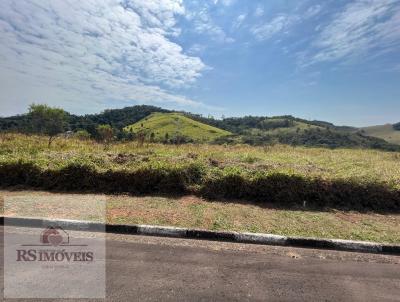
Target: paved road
x: 164, y: 269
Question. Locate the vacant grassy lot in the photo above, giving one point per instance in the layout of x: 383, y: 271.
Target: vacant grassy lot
x: 284, y: 176
x: 194, y: 212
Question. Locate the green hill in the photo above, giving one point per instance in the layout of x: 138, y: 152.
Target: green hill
x: 299, y: 132
x: 386, y: 132
x: 172, y: 125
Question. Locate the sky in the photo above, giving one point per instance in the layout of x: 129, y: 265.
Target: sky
x: 332, y: 60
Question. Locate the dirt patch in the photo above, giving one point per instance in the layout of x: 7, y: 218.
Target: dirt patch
x: 123, y: 158
x: 118, y: 213
x: 349, y: 217
x: 293, y: 255
x: 190, y: 199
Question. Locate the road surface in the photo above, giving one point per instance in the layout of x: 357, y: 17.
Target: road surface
x: 165, y: 269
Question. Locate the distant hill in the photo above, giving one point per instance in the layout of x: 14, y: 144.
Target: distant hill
x: 253, y: 130
x: 386, y: 132
x: 117, y: 118
x: 239, y: 124
x: 170, y: 125
x: 290, y: 130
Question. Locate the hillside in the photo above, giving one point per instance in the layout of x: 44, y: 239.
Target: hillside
x: 298, y: 132
x: 386, y: 132
x: 170, y: 125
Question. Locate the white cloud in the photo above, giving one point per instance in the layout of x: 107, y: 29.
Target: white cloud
x: 362, y: 26
x: 225, y: 2
x: 239, y: 21
x: 281, y: 23
x: 278, y: 24
x: 259, y: 11
x: 93, y: 50
x: 203, y: 23
x: 313, y: 11
x: 197, y: 48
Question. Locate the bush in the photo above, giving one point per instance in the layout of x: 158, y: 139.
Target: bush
x: 82, y: 135
x: 284, y: 190
x: 279, y: 189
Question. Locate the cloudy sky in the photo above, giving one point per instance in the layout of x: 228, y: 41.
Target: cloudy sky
x: 334, y: 60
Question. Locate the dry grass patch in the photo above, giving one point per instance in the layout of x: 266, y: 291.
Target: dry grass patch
x: 194, y: 212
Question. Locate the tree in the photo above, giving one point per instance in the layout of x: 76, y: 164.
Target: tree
x: 105, y: 133
x: 46, y: 120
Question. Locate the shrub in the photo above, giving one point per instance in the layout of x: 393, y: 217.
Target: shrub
x: 82, y: 135
x: 105, y: 133
x: 279, y: 189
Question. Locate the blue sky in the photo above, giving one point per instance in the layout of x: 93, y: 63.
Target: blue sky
x: 330, y: 60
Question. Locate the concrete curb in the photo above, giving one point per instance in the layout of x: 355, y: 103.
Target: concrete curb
x: 253, y: 238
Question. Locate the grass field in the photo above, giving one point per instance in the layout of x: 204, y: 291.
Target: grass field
x: 282, y: 176
x: 194, y: 212
x: 385, y: 132
x: 175, y: 123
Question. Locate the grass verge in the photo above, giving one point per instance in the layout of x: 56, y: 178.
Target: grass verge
x: 194, y: 212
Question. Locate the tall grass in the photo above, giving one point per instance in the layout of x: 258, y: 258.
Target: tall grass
x: 279, y: 175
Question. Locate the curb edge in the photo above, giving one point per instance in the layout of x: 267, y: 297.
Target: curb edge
x: 165, y: 231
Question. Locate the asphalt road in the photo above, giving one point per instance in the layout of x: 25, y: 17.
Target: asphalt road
x: 164, y: 269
